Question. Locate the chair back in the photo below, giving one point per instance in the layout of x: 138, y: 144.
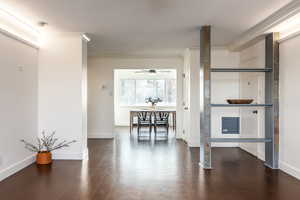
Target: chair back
x: 161, y: 116
x: 144, y: 116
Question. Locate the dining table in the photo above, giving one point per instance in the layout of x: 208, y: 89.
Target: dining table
x: 134, y: 113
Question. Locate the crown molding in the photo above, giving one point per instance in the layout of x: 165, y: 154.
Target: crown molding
x: 16, y: 28
x: 257, y: 32
x: 291, y: 36
x: 19, y: 38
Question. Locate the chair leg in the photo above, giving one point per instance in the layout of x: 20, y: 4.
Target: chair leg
x: 168, y: 131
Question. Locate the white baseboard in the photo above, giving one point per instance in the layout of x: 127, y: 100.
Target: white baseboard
x: 291, y: 170
x: 71, y: 156
x: 65, y: 156
x: 85, y: 155
x: 224, y: 144
x: 194, y: 144
x: 261, y: 156
x: 101, y: 135
x: 178, y: 137
x: 16, y: 167
x: 249, y: 150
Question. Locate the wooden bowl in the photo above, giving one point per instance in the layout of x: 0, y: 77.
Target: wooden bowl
x: 239, y: 101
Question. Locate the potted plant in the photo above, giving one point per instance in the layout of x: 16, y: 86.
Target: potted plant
x: 153, y: 100
x: 45, y: 145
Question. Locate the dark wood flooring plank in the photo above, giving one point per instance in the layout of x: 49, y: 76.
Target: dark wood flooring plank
x: 125, y: 169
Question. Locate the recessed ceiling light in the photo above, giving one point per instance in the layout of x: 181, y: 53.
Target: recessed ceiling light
x: 86, y: 37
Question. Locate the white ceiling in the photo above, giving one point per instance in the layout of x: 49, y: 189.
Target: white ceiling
x: 118, y: 26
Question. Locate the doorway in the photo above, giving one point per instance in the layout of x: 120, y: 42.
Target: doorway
x: 132, y: 88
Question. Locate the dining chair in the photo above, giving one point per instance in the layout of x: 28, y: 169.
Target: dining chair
x: 144, y: 120
x: 161, y: 119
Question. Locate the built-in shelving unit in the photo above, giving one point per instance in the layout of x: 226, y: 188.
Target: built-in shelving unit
x: 271, y: 71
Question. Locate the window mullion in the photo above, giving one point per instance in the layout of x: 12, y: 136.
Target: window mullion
x: 135, y: 91
x: 155, y: 86
x: 165, y: 92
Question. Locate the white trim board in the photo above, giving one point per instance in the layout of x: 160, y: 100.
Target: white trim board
x: 285, y: 167
x: 225, y: 144
x: 71, y: 156
x: 193, y: 144
x: 67, y: 156
x: 85, y: 154
x: 254, y: 34
x: 222, y: 144
x: 18, y: 38
x: 289, y: 169
x: 293, y: 35
x: 101, y: 135
x: 14, y: 168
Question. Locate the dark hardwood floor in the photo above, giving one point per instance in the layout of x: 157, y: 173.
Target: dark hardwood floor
x: 127, y: 169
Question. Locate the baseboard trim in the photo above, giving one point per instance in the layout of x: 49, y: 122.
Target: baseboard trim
x: 101, y: 136
x: 261, y: 156
x: 248, y: 150
x: 61, y: 156
x: 5, y: 173
x: 289, y: 169
x: 85, y: 155
x: 224, y: 145
x: 196, y: 144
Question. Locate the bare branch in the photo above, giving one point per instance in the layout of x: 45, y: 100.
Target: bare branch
x: 47, y: 143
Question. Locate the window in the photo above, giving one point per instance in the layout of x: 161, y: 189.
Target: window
x: 128, y: 92
x: 135, y: 91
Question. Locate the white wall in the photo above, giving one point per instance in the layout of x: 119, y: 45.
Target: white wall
x: 224, y: 86
x: 61, y: 91
x: 252, y: 86
x: 101, y: 100
x: 289, y: 107
x: 18, y: 104
x: 193, y: 129
x: 186, y: 95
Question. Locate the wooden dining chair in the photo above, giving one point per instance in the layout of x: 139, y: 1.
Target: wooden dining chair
x: 161, y: 119
x: 144, y: 120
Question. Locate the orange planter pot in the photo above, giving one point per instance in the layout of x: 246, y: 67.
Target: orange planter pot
x: 44, y: 158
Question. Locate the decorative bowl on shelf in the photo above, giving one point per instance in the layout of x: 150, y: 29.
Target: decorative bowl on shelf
x: 240, y: 101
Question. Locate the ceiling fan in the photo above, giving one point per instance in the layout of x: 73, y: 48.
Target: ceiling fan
x: 152, y: 71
